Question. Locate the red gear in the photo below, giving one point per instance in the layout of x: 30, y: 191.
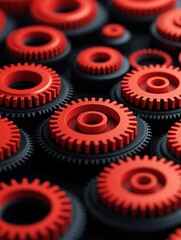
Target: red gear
x: 135, y: 56
x: 10, y: 138
x: 169, y: 25
x: 2, y: 20
x: 113, y: 30
x: 176, y: 235
x: 173, y: 139
x: 153, y: 87
x: 47, y: 85
x: 143, y: 8
x: 99, y: 60
x: 83, y: 13
x: 140, y: 187
x: 93, y: 124
x: 52, y: 226
x: 15, y: 7
x: 56, y: 43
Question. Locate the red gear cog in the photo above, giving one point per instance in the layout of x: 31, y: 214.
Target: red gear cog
x: 143, y: 8
x: 46, y: 85
x: 77, y: 13
x: 173, y: 139
x: 52, y: 226
x: 10, y: 138
x: 141, y: 187
x: 2, y: 20
x: 99, y: 60
x: 15, y: 7
x: 135, y: 56
x: 169, y: 25
x: 153, y: 87
x: 55, y: 43
x: 93, y: 125
x: 176, y: 235
x: 113, y: 30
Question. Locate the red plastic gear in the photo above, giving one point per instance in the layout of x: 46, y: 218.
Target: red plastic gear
x: 173, y: 139
x: 169, y: 25
x: 46, y: 85
x: 176, y: 235
x: 15, y: 7
x: 2, y: 20
x: 52, y: 226
x: 99, y: 60
x: 113, y: 30
x: 135, y: 56
x: 10, y: 138
x: 153, y: 87
x: 143, y: 8
x: 56, y: 43
x: 79, y: 13
x: 141, y: 187
x: 93, y: 125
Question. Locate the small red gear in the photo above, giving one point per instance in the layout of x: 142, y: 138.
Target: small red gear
x: 10, y: 138
x: 56, y: 43
x: 113, y: 30
x: 50, y: 227
x: 93, y: 125
x: 173, y: 139
x: 15, y: 7
x: 176, y: 235
x: 149, y: 52
x: 2, y: 20
x: 153, y: 87
x: 143, y: 8
x: 168, y: 25
x: 46, y: 85
x: 99, y: 60
x: 141, y: 187
x: 79, y: 13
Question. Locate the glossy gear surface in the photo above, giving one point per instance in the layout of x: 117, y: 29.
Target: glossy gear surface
x: 168, y: 25
x: 153, y: 87
x: 78, y: 13
x: 2, y: 20
x: 46, y: 85
x: 99, y: 60
x: 143, y: 8
x: 141, y: 187
x: 93, y: 126
x: 113, y: 30
x: 52, y: 226
x: 15, y: 7
x: 174, y: 140
x: 176, y: 235
x: 55, y: 43
x: 149, y: 52
x: 10, y: 138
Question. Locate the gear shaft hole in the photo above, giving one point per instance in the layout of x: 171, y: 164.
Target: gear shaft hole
x: 35, y: 42
x: 67, y: 7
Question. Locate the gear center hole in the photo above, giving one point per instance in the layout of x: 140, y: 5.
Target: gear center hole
x: 68, y: 7
x: 36, y: 41
x: 150, y: 59
x: 100, y: 57
x: 144, y: 180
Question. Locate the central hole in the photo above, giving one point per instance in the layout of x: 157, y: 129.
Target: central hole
x: 144, y: 180
x: 23, y: 85
x: 67, y: 7
x: 91, y: 122
x: 25, y: 211
x: 158, y: 82
x: 100, y: 57
x: 35, y: 42
x: 150, y: 59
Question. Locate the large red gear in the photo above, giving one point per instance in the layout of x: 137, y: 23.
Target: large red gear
x: 169, y: 25
x: 174, y: 141
x: 93, y: 125
x: 143, y: 8
x: 47, y: 85
x: 99, y: 60
x: 56, y: 43
x: 15, y: 7
x: 113, y: 30
x: 10, y: 138
x: 153, y: 87
x: 176, y: 235
x: 2, y: 20
x: 52, y: 226
x: 81, y: 13
x: 141, y: 187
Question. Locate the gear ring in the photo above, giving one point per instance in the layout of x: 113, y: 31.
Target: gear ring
x: 137, y: 8
x: 113, y: 30
x: 146, y: 53
x: 15, y: 7
x: 169, y: 25
x: 117, y: 134
x: 99, y: 60
x: 176, y: 235
x: 78, y: 14
x: 146, y: 186
x: 10, y: 142
x: 54, y: 44
x: 45, y: 85
x: 52, y: 226
x: 143, y: 86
